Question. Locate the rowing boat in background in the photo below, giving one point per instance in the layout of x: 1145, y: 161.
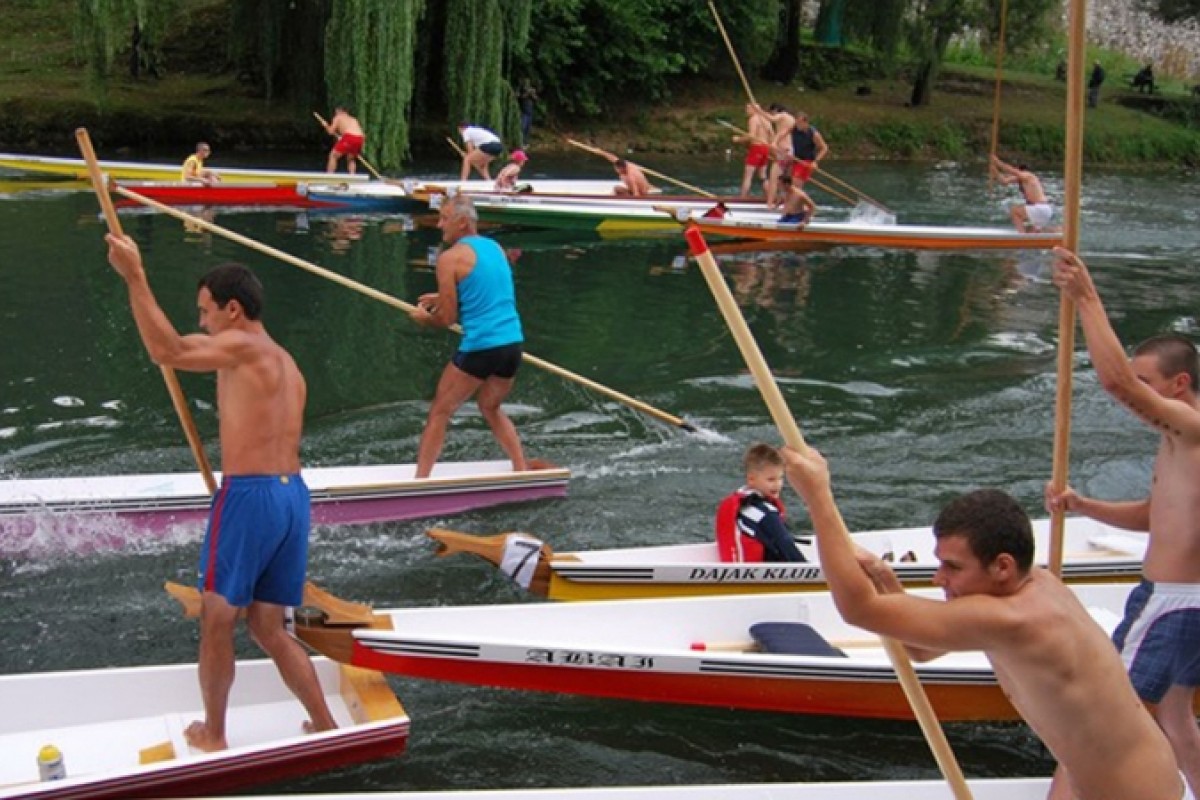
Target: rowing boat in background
x: 868, y: 234
x: 139, y: 171
x: 120, y: 731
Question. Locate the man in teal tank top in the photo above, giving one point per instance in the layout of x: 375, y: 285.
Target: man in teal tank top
x: 475, y: 288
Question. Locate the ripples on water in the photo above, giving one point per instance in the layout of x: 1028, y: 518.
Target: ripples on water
x: 920, y: 375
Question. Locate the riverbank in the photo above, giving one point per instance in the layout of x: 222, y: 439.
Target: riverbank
x: 45, y: 95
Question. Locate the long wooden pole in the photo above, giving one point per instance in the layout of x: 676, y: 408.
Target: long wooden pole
x: 647, y: 170
x: 168, y: 374
x: 999, y: 83
x: 790, y: 431
x: 1072, y: 184
x: 395, y: 302
x: 374, y: 172
x: 732, y: 53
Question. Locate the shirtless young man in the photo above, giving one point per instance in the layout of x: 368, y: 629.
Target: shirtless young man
x: 633, y: 180
x: 798, y: 207
x: 782, y: 123
x: 255, y: 551
x: 1159, y: 638
x: 350, y: 140
x: 1032, y: 216
x: 1051, y: 659
x: 757, y: 139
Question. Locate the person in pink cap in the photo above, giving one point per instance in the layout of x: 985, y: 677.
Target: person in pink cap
x: 506, y: 180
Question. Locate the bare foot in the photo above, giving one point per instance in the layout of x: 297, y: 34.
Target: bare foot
x: 309, y: 727
x: 197, y: 736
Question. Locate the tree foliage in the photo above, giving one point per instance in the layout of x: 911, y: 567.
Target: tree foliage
x: 369, y: 69
x: 105, y: 28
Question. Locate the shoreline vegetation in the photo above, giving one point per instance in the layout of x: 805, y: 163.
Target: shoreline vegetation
x: 45, y: 95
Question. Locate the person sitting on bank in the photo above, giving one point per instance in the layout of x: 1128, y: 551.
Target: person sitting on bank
x: 1144, y: 80
x: 750, y: 526
x: 506, y: 179
x: 193, y: 168
x: 798, y: 207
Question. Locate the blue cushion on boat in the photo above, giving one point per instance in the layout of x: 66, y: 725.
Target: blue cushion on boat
x: 792, y: 638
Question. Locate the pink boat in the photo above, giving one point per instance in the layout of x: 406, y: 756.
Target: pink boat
x: 106, y: 512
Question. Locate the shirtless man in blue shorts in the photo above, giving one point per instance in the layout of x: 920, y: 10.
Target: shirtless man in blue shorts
x: 475, y: 287
x: 1159, y: 638
x: 256, y: 547
x: 1034, y: 215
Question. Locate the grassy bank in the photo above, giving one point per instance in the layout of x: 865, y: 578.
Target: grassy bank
x: 45, y: 94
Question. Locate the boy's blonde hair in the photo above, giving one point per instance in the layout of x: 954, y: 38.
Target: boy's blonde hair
x: 760, y: 456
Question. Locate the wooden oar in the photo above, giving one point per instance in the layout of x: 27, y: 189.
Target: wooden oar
x: 374, y: 172
x: 396, y: 302
x: 644, y: 168
x: 1072, y: 179
x: 461, y: 153
x: 790, y: 431
x: 169, y: 377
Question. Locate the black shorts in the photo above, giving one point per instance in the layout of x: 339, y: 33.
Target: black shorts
x: 499, y: 362
x: 492, y: 148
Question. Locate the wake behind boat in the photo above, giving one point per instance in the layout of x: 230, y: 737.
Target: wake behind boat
x: 120, y: 731
x: 1094, y: 552
x: 773, y: 652
x: 153, y: 504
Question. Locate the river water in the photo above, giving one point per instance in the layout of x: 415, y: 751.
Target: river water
x: 919, y: 375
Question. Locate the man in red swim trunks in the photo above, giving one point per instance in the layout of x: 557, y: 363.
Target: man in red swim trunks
x: 808, y: 148
x: 350, y: 140
x: 758, y: 148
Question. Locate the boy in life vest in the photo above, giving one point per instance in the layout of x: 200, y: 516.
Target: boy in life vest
x: 750, y: 525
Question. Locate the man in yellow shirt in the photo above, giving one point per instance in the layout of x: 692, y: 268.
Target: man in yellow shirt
x: 193, y: 167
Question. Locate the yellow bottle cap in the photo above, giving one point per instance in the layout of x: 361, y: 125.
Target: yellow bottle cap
x: 49, y: 753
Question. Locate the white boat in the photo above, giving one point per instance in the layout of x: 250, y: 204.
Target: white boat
x: 1093, y: 552
x: 120, y: 731
x: 981, y: 789
x: 156, y: 504
x: 774, y: 652
x: 766, y: 227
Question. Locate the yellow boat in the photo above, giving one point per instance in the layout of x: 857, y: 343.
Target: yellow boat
x: 76, y: 169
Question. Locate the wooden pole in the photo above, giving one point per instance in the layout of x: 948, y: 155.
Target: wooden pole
x: 732, y: 53
x: 647, y: 170
x: 1072, y: 184
x: 457, y: 149
x: 999, y: 84
x: 395, y: 302
x: 169, y: 377
x: 790, y: 431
